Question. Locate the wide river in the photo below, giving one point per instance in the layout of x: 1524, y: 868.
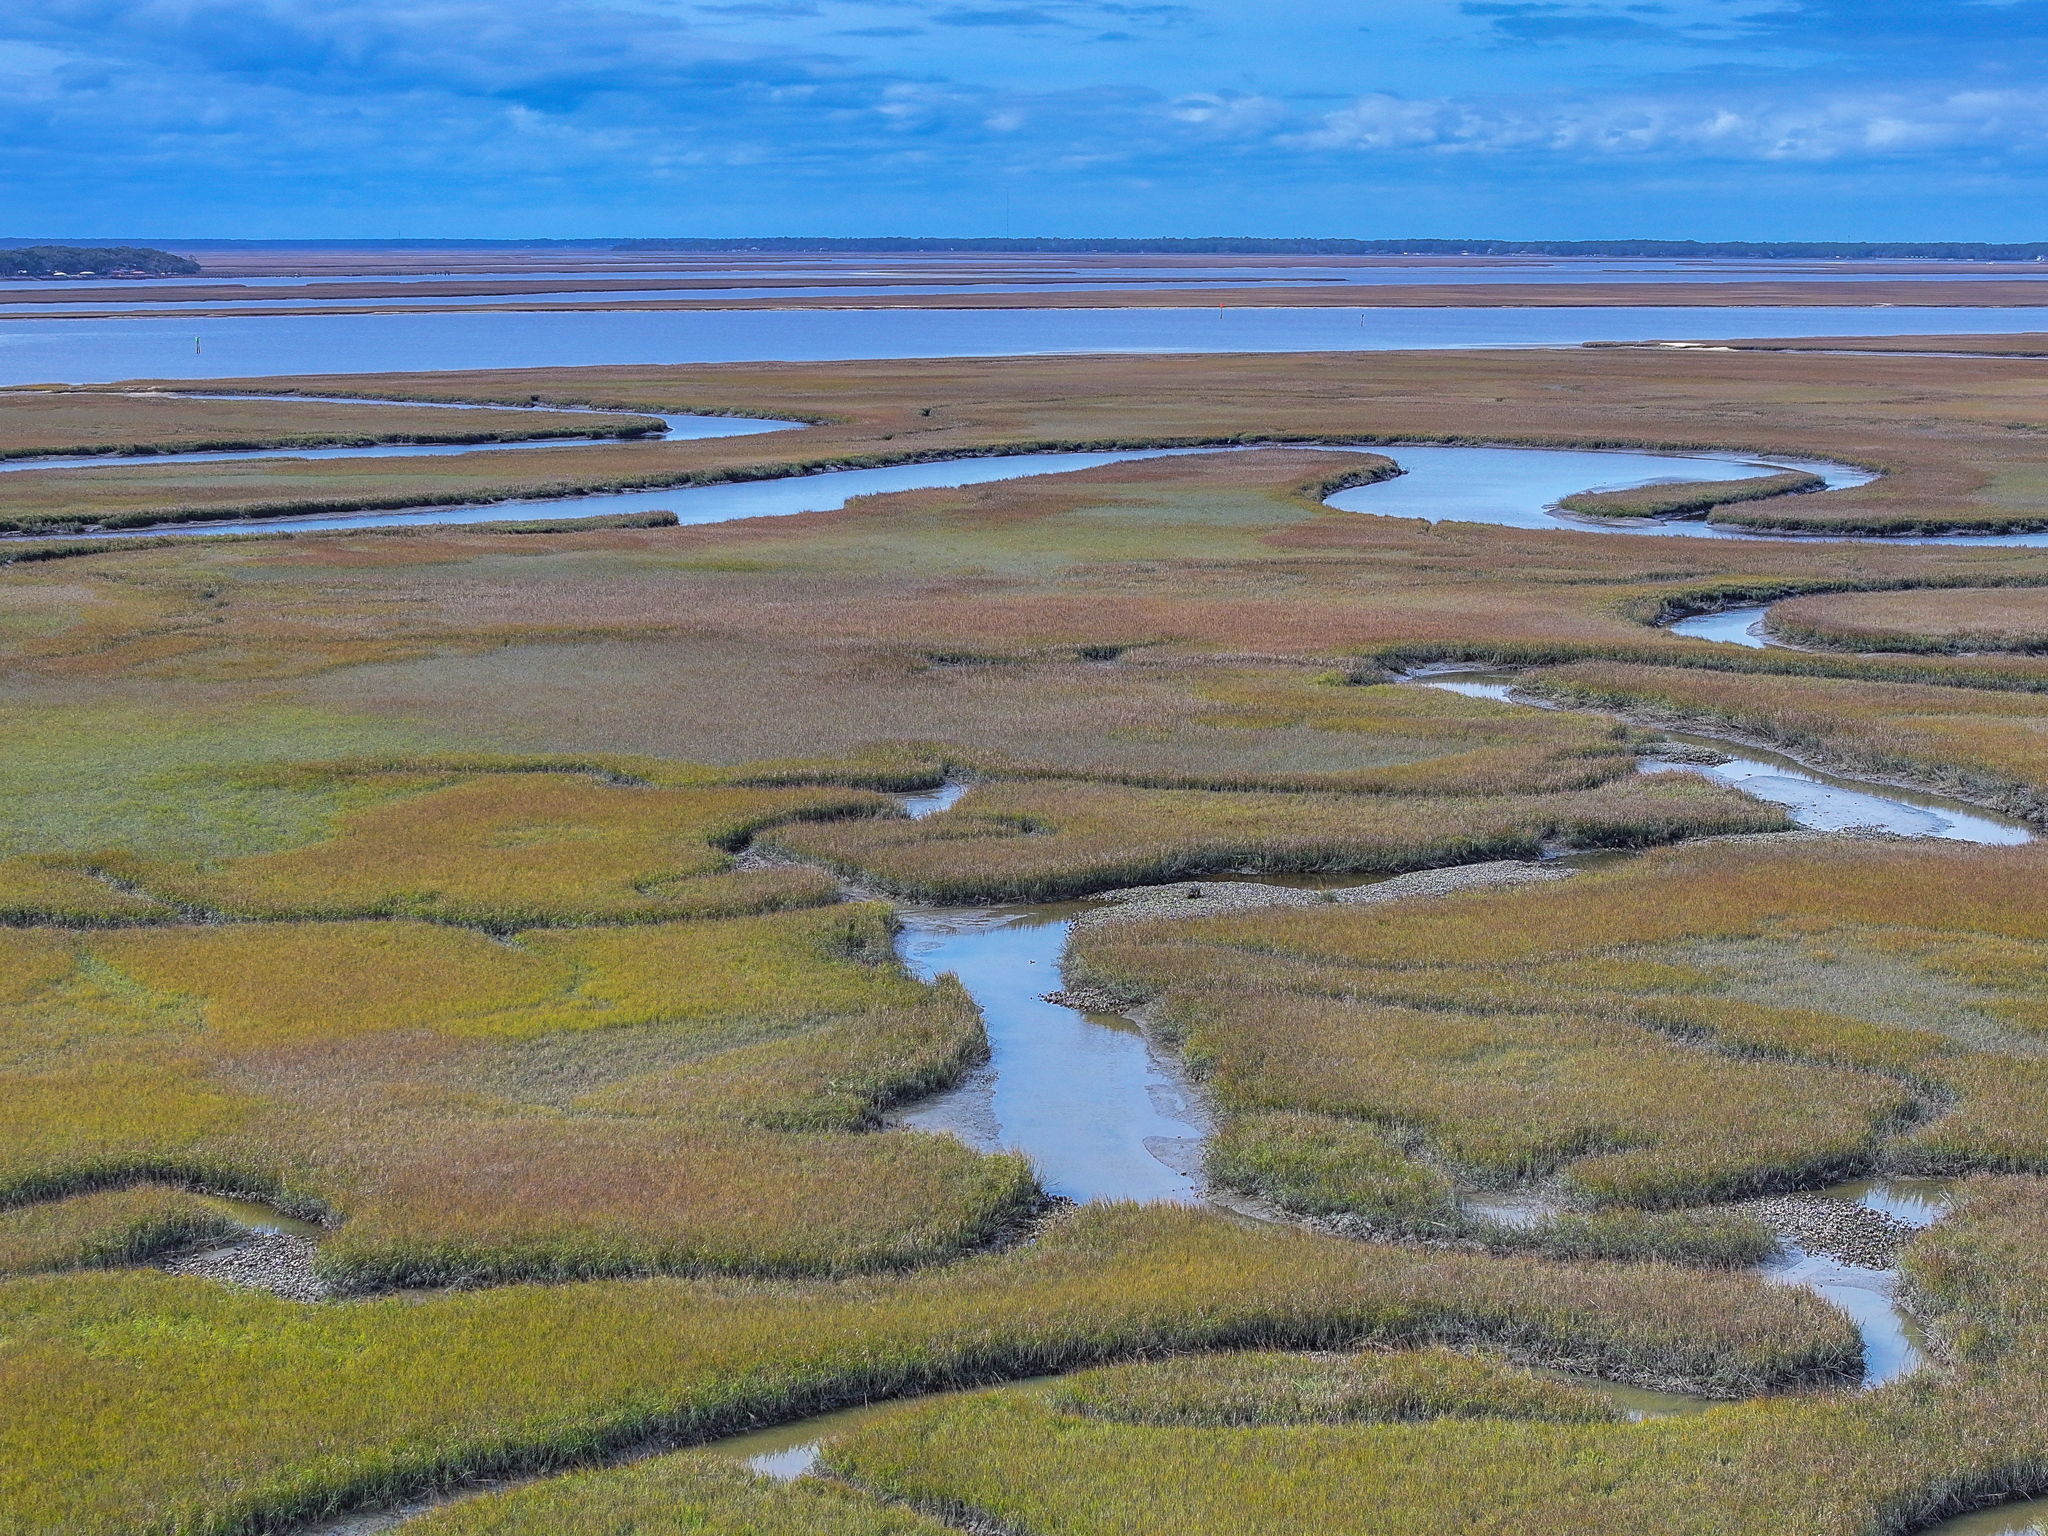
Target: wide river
x: 99, y: 351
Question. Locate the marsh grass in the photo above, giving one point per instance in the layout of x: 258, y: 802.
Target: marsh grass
x: 1047, y: 840
x: 689, y: 1494
x: 510, y: 851
x: 1695, y: 1025
x: 1325, y: 1165
x: 1268, y: 1388
x: 1189, y: 1448
x: 50, y: 890
x: 110, y: 1227
x: 1690, y: 499
x: 1992, y: 745
x: 240, y: 1412
x: 406, y: 1080
x: 81, y: 423
x: 1954, y: 621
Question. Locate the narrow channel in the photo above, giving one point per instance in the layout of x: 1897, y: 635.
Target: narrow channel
x: 1816, y: 801
x: 1731, y: 626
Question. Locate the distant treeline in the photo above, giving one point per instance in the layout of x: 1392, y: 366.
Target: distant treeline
x: 93, y: 261
x: 1850, y: 250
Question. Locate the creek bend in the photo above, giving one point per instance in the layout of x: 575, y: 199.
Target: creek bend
x: 1500, y: 486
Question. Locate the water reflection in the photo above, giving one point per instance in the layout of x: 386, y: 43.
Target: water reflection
x: 2028, y: 1517
x: 1099, y: 1115
x: 101, y: 351
x: 1868, y: 1296
x: 1731, y: 626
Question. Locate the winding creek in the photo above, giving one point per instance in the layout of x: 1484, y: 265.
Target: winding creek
x: 1510, y: 487
x: 1500, y: 486
x: 1101, y: 1112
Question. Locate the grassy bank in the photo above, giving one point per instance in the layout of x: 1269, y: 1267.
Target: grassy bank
x: 1047, y: 840
x: 78, y: 423
x: 240, y: 1412
x: 1694, y: 1025
x: 1953, y: 621
x: 1889, y: 1461
x: 1989, y: 745
x: 1690, y: 500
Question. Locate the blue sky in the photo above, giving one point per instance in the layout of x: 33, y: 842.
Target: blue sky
x: 1807, y: 119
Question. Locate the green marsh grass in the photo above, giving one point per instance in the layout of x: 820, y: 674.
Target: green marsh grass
x: 1694, y: 1025
x: 689, y: 1494
x: 696, y: 1096
x: 1046, y: 840
x: 238, y: 1411
x: 1961, y: 1434
x: 520, y: 850
x: 109, y: 1227
x: 1272, y: 1388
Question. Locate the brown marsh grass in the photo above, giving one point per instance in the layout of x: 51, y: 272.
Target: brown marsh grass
x: 1961, y: 621
x: 79, y: 422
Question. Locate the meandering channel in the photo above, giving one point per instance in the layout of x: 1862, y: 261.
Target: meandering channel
x: 1500, y: 486
x: 1503, y: 486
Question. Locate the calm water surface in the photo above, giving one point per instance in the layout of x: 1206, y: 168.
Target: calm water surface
x: 101, y: 351
x: 1100, y: 1115
x: 1731, y: 626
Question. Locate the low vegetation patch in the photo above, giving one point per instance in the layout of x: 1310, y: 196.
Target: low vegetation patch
x: 1692, y: 498
x: 240, y: 1411
x: 112, y: 1226
x: 1199, y: 1451
x: 1990, y: 745
x: 690, y: 1494
x: 1046, y: 840
x: 1268, y: 1388
x: 1692, y: 1026
x: 572, y: 1102
x: 524, y: 849
x: 1955, y: 621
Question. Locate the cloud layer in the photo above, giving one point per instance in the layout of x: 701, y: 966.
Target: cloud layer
x: 1071, y: 116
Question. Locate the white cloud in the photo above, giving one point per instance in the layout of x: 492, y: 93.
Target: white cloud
x: 1821, y: 128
